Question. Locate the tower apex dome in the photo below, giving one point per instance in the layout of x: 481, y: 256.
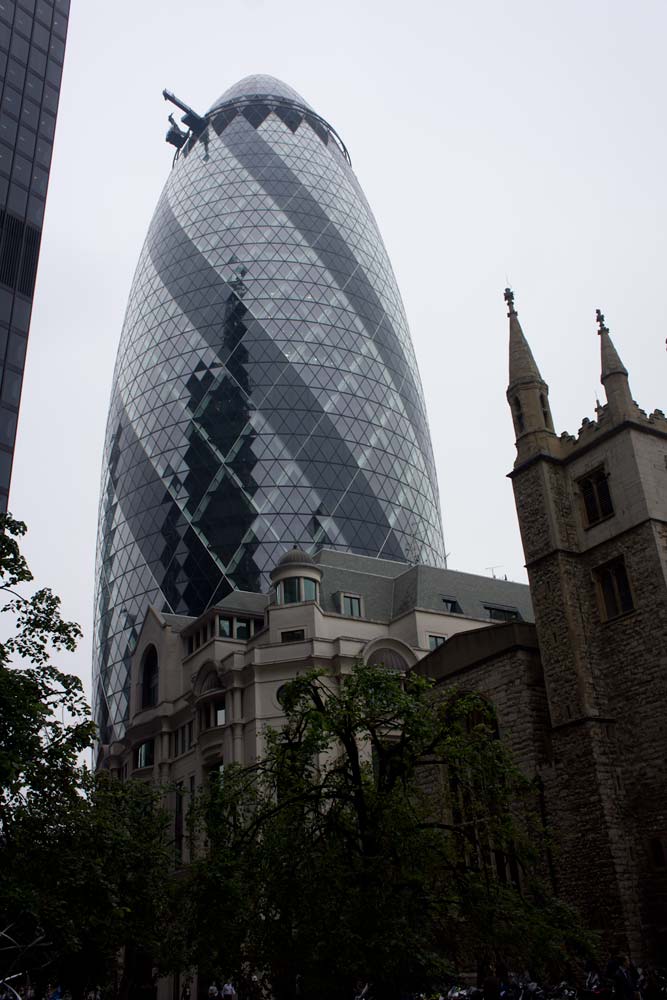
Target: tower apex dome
x: 259, y: 85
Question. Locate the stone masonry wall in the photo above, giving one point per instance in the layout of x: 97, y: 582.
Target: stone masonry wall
x: 607, y: 688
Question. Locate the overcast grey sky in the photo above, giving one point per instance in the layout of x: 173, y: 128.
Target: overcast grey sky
x: 521, y: 141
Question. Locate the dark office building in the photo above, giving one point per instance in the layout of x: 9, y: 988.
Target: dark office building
x: 32, y: 48
x: 266, y: 390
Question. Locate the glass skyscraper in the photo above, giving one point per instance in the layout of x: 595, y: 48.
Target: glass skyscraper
x: 32, y: 49
x: 266, y: 391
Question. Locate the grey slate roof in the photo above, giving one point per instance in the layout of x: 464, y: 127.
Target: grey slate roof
x: 391, y: 588
x: 245, y: 601
x: 177, y: 622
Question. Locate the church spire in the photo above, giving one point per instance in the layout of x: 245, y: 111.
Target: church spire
x: 614, y: 374
x: 527, y: 392
x: 523, y: 368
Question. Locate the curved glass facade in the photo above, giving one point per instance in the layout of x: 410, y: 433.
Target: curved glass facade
x: 266, y: 391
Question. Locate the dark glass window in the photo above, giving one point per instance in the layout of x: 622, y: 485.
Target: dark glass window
x: 144, y: 755
x: 293, y: 635
x: 19, y: 48
x: 11, y: 101
x: 21, y: 170
x: 17, y: 199
x: 351, y: 606
x: 216, y: 772
x: 53, y: 74
x: 23, y: 23
x: 21, y: 314
x: 5, y: 160
x: 614, y: 589
x: 59, y: 26
x: 435, y: 641
x: 40, y: 37
x: 43, y: 152
x: 37, y: 62
x: 56, y: 49
x: 15, y: 74
x: 50, y: 100
x: 30, y: 113
x: 35, y: 210
x: 596, y: 497
x: 309, y: 589
x: 47, y: 125
x: 25, y: 143
x: 258, y: 625
x: 5, y: 468
x: 34, y: 87
x: 225, y: 627
x: 44, y: 11
x: 497, y: 614
x: 219, y: 710
x: 8, y: 130
x: 16, y: 350
x: 11, y: 387
x: 291, y: 590
x: 149, y: 678
x: 451, y: 605
x: 6, y: 11
x: 242, y: 628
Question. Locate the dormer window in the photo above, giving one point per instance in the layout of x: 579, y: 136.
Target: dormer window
x: 451, y: 605
x: 351, y: 605
x: 499, y: 614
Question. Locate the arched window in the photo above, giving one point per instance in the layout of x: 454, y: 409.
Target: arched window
x: 518, y: 413
x: 545, y: 411
x: 149, y: 678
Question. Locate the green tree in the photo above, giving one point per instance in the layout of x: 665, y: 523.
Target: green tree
x: 85, y: 861
x: 45, y: 728
x: 377, y: 839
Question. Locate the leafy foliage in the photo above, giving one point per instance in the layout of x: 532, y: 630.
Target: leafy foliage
x: 46, y: 723
x: 85, y: 861
x: 375, y: 840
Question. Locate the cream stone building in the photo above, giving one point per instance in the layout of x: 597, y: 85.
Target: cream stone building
x: 204, y: 690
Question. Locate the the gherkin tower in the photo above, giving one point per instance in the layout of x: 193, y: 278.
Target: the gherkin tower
x: 266, y: 391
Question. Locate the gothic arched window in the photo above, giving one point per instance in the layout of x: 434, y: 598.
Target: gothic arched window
x: 149, y: 678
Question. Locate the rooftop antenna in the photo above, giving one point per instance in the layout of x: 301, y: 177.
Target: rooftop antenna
x: 493, y: 569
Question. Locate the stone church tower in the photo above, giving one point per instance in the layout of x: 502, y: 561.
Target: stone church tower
x: 593, y: 517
